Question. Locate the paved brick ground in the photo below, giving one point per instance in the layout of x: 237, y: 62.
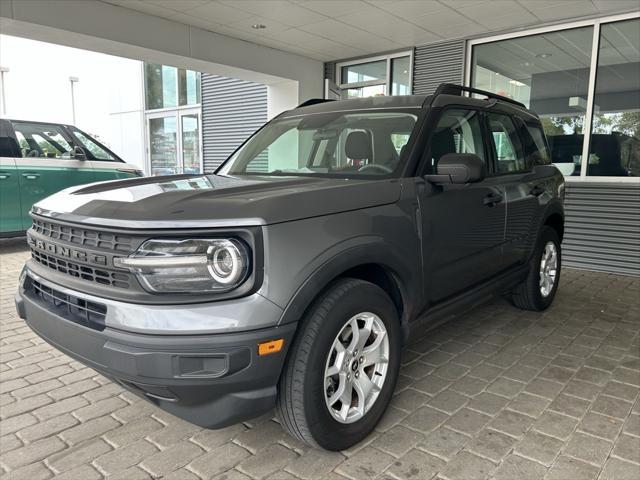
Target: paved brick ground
x: 497, y: 393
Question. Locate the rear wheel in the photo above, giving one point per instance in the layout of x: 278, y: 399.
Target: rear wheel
x: 342, y: 368
x: 539, y: 288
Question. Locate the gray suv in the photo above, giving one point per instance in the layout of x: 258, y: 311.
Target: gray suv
x: 294, y: 275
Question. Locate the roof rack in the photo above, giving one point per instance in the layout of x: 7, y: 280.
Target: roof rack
x: 314, y: 101
x: 453, y: 89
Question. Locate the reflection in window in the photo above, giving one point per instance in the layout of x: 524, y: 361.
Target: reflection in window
x: 549, y: 73
x: 389, y: 76
x: 400, y: 76
x: 189, y: 87
x: 96, y: 150
x: 163, y: 146
x: 365, y: 72
x: 169, y: 87
x: 458, y: 131
x: 615, y: 133
x: 42, y: 140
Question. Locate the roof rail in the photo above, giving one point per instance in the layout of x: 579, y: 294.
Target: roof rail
x: 453, y: 89
x: 314, y: 101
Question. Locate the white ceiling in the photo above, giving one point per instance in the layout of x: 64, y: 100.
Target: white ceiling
x: 336, y: 29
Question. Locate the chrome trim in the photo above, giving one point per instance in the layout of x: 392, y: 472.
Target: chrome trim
x: 148, y: 224
x: 226, y: 316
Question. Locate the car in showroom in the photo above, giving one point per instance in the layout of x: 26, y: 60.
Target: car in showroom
x: 293, y: 276
x: 38, y: 159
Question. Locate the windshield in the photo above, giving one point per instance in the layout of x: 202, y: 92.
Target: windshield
x: 329, y: 144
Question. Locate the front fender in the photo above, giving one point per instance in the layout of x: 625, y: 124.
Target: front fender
x: 345, y: 256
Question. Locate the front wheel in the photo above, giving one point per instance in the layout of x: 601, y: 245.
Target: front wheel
x: 342, y: 368
x: 539, y: 288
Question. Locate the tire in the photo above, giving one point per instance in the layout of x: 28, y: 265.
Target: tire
x: 529, y: 294
x: 303, y: 395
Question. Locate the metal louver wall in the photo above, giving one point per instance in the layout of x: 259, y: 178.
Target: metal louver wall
x: 232, y: 110
x: 602, y: 227
x: 437, y: 63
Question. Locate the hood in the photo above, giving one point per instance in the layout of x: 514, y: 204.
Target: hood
x: 193, y: 201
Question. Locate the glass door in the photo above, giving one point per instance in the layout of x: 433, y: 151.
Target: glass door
x: 174, y: 142
x: 190, y: 139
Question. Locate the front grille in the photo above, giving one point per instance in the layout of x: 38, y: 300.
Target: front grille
x: 84, y: 237
x: 103, y: 277
x: 69, y: 307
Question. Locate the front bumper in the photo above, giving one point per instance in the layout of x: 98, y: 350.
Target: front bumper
x: 212, y: 380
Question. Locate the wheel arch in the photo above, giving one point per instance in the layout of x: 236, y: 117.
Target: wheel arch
x: 374, y: 263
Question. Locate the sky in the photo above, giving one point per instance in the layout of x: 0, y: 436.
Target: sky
x: 37, y: 87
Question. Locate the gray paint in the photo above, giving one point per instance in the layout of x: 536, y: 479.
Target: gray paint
x: 602, y: 229
x: 437, y: 63
x: 232, y: 110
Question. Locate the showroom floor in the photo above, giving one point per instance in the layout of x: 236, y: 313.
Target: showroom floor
x: 496, y: 393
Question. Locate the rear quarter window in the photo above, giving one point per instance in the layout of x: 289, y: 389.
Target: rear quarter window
x: 536, y: 145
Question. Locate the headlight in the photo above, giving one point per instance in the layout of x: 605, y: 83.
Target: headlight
x: 206, y: 265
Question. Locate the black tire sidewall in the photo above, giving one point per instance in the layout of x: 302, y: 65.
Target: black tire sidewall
x: 326, y: 431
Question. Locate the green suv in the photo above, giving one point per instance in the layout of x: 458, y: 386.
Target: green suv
x: 38, y: 159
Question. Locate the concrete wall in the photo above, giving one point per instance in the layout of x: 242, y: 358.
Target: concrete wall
x: 107, y: 28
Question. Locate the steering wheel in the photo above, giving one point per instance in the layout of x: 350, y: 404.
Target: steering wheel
x: 374, y: 166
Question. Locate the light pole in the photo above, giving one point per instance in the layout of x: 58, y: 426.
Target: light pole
x: 3, y: 98
x: 72, y: 81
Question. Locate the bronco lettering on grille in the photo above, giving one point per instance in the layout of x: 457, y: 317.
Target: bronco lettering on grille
x: 66, y: 252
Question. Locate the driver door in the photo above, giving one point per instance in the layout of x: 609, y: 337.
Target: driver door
x: 462, y: 225
x: 46, y: 165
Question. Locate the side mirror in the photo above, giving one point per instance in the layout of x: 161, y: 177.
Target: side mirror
x: 78, y: 154
x: 458, y: 168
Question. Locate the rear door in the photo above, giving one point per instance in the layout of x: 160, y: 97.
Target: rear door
x: 462, y: 225
x: 523, y: 185
x: 47, y: 164
x: 10, y: 218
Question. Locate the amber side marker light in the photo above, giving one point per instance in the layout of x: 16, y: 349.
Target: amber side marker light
x: 272, y: 346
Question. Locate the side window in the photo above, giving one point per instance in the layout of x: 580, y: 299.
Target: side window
x: 538, y: 148
x: 42, y: 140
x: 9, y: 146
x: 509, y: 153
x: 96, y: 150
x: 399, y: 140
x: 458, y: 131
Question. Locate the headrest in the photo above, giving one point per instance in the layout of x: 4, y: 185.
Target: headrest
x: 358, y: 146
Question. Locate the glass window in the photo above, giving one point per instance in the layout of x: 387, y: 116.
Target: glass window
x: 509, y: 154
x: 161, y: 83
x: 537, y: 147
x: 549, y: 73
x: 98, y: 152
x: 340, y: 144
x: 390, y: 75
x: 615, y: 132
x: 365, y: 72
x: 458, y: 131
x: 400, y: 76
x: 189, y: 87
x: 190, y: 143
x: 371, y: 91
x: 42, y: 140
x: 163, y: 144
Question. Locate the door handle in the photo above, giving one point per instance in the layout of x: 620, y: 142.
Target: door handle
x: 31, y: 175
x: 4, y: 175
x: 492, y: 199
x: 537, y: 191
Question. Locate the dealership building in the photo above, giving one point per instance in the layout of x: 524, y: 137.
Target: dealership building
x: 575, y: 63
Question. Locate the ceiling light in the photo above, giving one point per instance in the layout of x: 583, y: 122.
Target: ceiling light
x: 259, y: 26
x: 544, y: 55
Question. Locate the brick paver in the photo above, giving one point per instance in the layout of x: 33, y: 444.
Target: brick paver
x: 495, y: 393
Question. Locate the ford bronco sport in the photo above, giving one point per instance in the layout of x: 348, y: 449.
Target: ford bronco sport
x: 293, y: 276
